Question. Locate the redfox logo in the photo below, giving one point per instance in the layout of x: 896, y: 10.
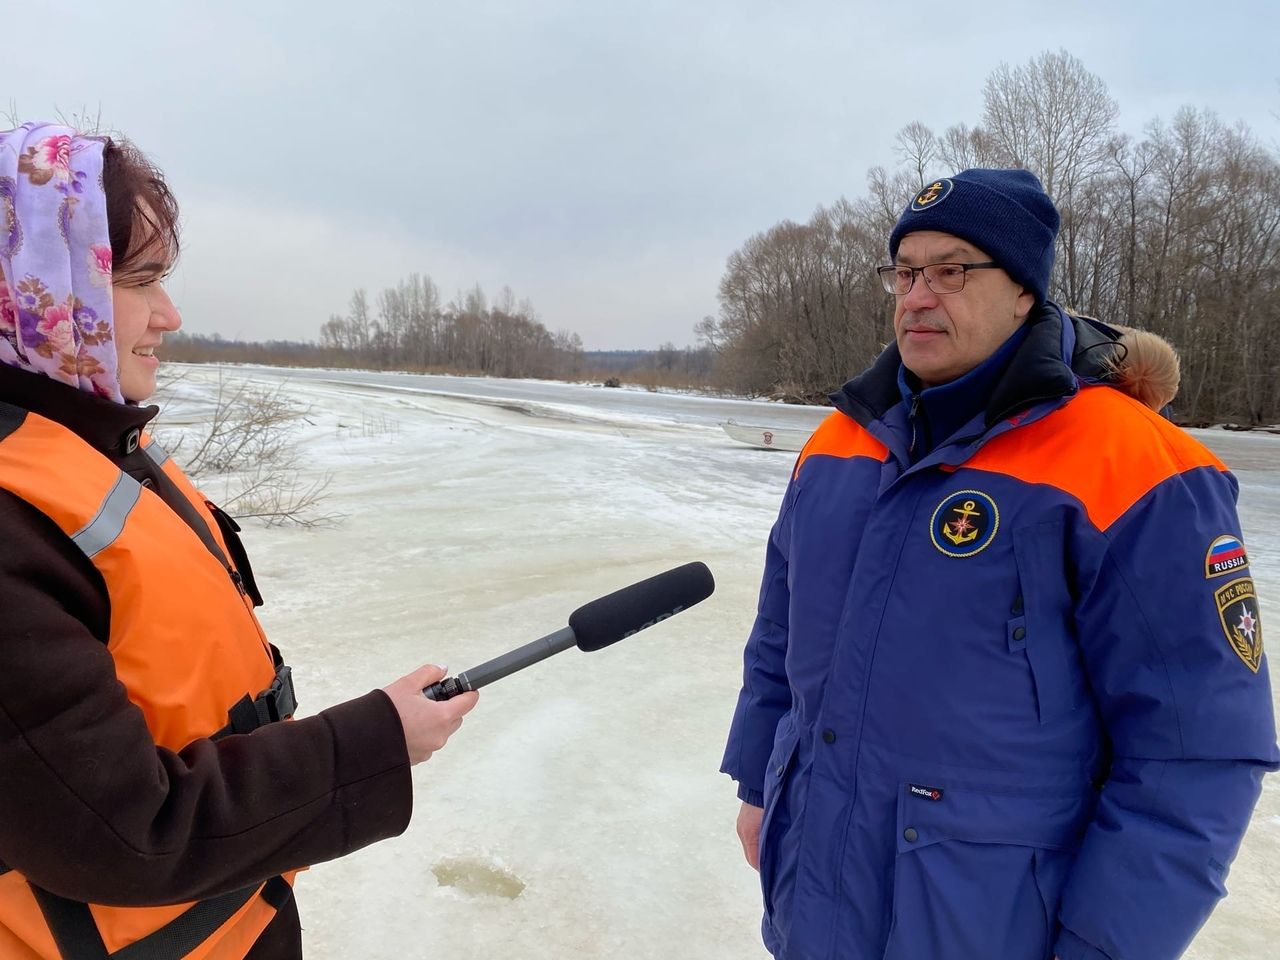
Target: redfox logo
x: 929, y: 793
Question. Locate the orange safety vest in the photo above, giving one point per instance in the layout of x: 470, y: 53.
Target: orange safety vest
x: 188, y: 649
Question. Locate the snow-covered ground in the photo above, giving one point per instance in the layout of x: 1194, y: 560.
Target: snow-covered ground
x: 579, y: 812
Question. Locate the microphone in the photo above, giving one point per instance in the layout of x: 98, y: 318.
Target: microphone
x: 594, y: 626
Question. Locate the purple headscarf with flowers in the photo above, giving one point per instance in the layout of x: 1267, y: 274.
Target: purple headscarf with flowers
x: 55, y: 255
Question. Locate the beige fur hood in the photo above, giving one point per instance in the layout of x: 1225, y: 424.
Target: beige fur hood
x: 1146, y: 367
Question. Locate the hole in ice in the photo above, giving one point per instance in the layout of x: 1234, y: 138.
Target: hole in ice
x: 477, y: 878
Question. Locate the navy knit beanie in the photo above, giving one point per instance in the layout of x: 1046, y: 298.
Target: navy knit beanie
x: 1005, y: 213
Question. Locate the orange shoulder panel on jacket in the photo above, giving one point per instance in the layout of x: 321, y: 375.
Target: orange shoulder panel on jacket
x: 1103, y: 448
x: 839, y: 436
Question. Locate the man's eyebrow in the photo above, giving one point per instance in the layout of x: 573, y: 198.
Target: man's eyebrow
x: 948, y: 257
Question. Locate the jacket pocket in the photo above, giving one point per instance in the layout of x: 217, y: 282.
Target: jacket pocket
x: 777, y: 813
x: 1045, y: 629
x: 978, y: 871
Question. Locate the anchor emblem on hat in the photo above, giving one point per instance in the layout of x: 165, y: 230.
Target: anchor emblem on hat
x: 932, y: 194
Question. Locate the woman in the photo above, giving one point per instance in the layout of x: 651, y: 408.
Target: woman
x: 150, y: 807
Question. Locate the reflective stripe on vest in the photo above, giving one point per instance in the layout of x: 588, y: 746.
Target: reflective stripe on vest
x: 102, y: 531
x: 157, y: 453
x: 185, y: 645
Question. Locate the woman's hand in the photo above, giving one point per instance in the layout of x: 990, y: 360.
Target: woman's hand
x: 428, y: 724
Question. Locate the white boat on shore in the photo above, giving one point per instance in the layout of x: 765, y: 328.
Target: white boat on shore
x: 767, y: 438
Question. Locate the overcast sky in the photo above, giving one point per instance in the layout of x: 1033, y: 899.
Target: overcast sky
x: 600, y: 158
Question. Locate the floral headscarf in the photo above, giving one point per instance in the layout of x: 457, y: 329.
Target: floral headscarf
x: 55, y: 256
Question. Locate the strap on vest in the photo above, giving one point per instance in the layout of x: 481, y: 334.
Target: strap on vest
x: 156, y: 453
x: 277, y: 702
x: 231, y: 536
x: 78, y: 938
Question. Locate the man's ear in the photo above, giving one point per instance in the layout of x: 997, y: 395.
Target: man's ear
x: 1022, y: 306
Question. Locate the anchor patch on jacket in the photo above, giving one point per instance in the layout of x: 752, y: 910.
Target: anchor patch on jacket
x: 965, y: 523
x: 1237, y: 603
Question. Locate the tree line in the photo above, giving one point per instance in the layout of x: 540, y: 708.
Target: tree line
x: 409, y: 328
x: 1176, y: 231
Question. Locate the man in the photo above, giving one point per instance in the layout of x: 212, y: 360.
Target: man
x: 1005, y: 695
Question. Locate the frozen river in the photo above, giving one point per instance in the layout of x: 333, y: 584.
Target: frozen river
x: 579, y: 812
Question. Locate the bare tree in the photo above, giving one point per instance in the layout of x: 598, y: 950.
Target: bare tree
x: 961, y: 147
x: 1054, y: 117
x: 1132, y: 164
x: 889, y: 195
x: 917, y: 148
x: 358, y: 322
x: 795, y: 304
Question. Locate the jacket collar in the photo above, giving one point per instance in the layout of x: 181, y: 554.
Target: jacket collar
x: 103, y: 424
x: 1059, y: 351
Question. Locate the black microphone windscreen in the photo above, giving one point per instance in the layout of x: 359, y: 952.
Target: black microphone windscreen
x: 631, y: 609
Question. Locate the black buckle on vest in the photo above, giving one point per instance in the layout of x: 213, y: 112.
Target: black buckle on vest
x: 280, y: 699
x: 278, y: 702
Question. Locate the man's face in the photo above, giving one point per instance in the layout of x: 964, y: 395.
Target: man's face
x: 943, y: 336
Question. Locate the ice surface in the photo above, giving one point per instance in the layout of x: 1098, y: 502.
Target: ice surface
x: 579, y: 812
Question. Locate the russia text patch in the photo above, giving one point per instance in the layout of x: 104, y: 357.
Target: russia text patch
x: 1225, y: 554
x: 1237, y: 604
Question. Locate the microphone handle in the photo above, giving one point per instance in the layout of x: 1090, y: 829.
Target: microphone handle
x: 504, y: 665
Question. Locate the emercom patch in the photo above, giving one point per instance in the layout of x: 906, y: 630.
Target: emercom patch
x: 1225, y: 554
x: 1237, y: 603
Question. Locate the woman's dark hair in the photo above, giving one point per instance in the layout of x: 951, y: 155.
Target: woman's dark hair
x: 139, y: 207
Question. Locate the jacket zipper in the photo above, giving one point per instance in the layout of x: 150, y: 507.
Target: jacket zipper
x: 912, y: 414
x: 919, y: 421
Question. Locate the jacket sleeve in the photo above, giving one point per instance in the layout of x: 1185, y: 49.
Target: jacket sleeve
x: 1174, y: 659
x: 91, y: 809
x: 765, y: 694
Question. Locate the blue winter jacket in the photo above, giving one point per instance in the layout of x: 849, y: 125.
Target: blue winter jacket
x: 1010, y: 702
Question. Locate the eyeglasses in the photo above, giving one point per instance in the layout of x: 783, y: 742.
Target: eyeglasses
x: 939, y: 277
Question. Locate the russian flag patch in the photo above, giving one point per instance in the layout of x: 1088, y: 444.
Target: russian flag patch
x: 1225, y: 555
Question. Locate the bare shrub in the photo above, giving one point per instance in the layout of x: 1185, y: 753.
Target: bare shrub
x: 246, y: 446
x: 277, y: 496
